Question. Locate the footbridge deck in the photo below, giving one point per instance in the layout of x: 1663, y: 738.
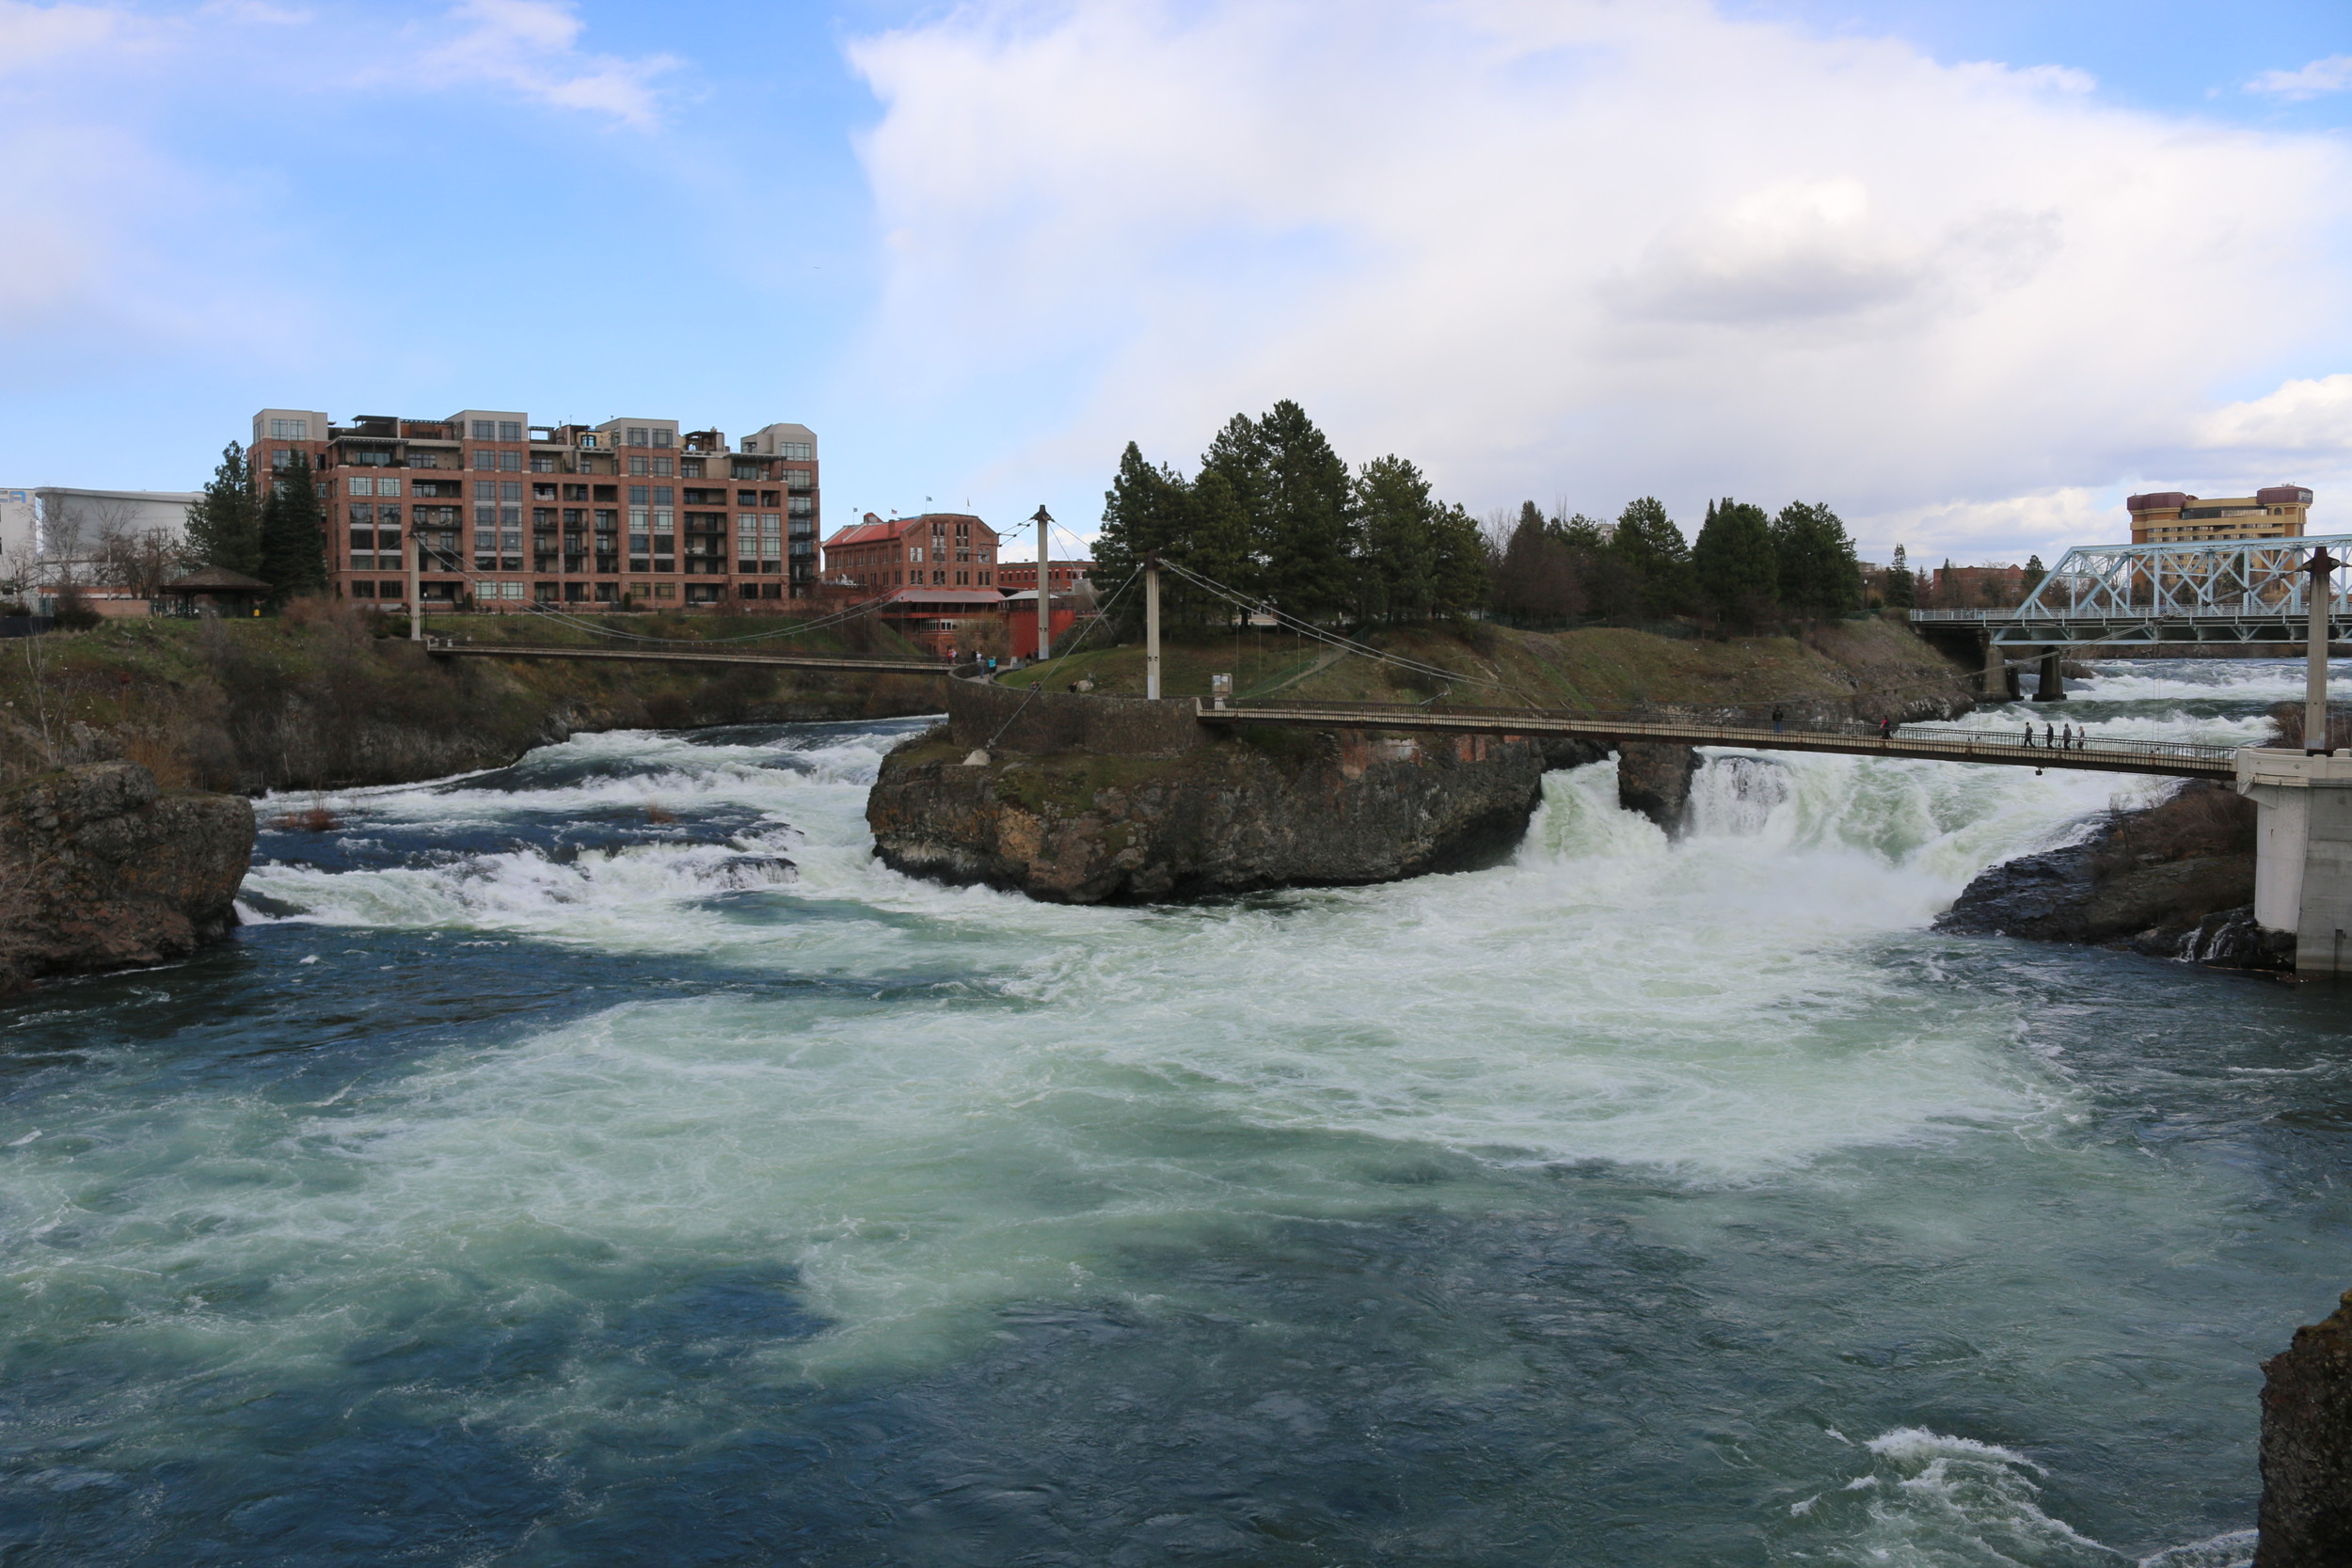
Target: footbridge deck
x: 1925, y: 743
x: 861, y: 664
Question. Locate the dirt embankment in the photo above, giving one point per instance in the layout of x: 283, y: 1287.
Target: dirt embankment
x: 317, y: 701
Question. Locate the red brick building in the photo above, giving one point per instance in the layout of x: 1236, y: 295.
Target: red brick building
x: 631, y: 511
x: 939, y: 571
x: 938, y: 549
x: 1020, y: 576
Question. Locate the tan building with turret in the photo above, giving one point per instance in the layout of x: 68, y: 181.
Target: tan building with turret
x: 2176, y: 517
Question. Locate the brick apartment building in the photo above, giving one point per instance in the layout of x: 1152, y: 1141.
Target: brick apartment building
x: 2174, y: 516
x: 509, y: 512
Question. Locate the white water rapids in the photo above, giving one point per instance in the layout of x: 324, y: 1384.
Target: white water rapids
x: 1697, y: 1177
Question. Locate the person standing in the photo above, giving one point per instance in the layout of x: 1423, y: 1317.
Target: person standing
x: 1777, y: 717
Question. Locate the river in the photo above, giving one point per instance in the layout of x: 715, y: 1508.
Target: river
x: 548, y: 1174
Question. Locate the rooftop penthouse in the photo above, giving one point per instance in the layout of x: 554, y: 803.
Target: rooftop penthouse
x: 2176, y: 517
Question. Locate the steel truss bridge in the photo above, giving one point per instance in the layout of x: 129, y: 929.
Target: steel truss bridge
x: 2220, y: 591
x: 2013, y: 745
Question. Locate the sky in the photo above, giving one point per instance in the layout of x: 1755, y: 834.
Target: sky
x: 1970, y: 274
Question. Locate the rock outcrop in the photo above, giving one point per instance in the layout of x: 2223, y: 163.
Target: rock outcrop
x: 100, y: 869
x: 2306, y: 1513
x: 1654, y: 780
x: 1270, y: 809
x: 2174, y: 880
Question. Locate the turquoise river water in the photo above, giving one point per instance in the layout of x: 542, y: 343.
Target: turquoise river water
x: 536, y: 1180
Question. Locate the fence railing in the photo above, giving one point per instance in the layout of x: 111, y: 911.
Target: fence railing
x: 1989, y: 741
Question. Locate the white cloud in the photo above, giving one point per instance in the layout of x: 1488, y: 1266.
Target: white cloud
x: 32, y: 36
x: 530, y: 46
x: 2300, y: 417
x: 1581, y: 249
x: 2320, y: 77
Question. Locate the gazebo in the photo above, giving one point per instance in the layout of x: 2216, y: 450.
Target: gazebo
x: 212, y: 591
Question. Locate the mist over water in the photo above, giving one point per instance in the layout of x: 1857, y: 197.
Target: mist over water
x: 603, y: 1160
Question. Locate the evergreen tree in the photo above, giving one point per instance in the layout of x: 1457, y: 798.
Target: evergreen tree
x: 1220, y: 543
x: 1146, y: 510
x: 1581, y: 532
x: 293, y: 534
x: 1295, y: 490
x: 1819, y: 576
x: 2034, y: 573
x: 1734, y: 564
x: 1902, y: 589
x: 224, y: 525
x: 1396, y: 519
x: 1459, y: 582
x: 1539, y: 578
x: 1650, y: 547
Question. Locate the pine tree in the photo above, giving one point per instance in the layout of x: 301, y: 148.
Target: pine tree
x: 1459, y: 582
x: 2034, y: 573
x: 224, y: 525
x: 1734, y: 564
x: 1146, y: 510
x: 293, y: 534
x: 1399, y: 560
x: 1301, y: 515
x: 1902, y: 589
x: 1220, y: 541
x: 1650, y: 547
x: 1819, y: 576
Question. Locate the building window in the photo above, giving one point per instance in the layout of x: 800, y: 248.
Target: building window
x: 662, y: 437
x: 361, y: 487
x: 484, y: 430
x: 485, y: 459
x: 641, y: 465
x: 509, y: 489
x: 512, y: 462
x: 640, y: 495
x: 290, y: 430
x: 543, y: 462
x: 637, y: 436
x: 804, y: 451
x: 510, y: 429
x: 661, y: 465
x: 690, y: 468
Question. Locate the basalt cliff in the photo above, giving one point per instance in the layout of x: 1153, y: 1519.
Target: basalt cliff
x: 100, y: 869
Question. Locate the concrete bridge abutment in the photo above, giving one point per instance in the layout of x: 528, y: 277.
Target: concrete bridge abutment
x: 2303, y: 852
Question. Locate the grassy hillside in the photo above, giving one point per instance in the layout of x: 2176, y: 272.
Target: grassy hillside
x: 1598, y: 668
x: 317, y: 698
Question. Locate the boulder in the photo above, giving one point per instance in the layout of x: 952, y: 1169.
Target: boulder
x: 100, y: 869
x: 1654, y: 780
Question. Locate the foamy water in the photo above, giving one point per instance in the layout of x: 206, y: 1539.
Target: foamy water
x: 606, y: 1159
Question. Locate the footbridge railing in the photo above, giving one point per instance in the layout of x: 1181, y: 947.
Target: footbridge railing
x: 858, y: 663
x: 2017, y: 745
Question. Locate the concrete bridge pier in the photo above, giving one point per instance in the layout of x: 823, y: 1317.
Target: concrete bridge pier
x: 2051, y: 687
x: 2303, y: 852
x: 1997, y: 682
